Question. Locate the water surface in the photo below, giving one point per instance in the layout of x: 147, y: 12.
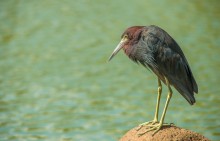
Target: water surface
x: 56, y: 84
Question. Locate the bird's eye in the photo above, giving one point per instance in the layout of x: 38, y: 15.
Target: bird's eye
x: 125, y: 36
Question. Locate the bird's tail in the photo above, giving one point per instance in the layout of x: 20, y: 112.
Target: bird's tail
x: 185, y: 91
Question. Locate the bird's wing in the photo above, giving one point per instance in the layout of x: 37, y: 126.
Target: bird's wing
x: 171, y: 62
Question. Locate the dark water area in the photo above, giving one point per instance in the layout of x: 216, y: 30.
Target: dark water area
x: 56, y: 83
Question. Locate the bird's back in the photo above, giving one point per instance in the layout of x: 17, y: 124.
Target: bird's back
x: 170, y: 62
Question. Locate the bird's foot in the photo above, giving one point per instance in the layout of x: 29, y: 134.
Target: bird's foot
x: 154, y: 127
x: 147, y: 124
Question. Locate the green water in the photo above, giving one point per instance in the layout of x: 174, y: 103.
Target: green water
x: 56, y: 83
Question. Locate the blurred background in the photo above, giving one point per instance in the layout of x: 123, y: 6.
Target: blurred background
x: 56, y: 83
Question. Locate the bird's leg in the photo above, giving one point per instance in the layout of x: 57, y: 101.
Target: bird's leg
x: 155, y: 120
x: 158, y: 126
x: 158, y: 101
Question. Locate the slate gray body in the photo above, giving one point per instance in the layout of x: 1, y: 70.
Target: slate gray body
x: 155, y: 49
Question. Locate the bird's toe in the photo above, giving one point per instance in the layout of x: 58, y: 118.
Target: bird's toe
x: 149, y: 123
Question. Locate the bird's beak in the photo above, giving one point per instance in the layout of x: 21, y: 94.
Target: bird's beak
x: 118, y: 48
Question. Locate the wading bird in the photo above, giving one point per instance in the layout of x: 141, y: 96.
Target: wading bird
x: 156, y: 50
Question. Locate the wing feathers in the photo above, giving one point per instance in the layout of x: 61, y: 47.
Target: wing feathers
x: 171, y: 63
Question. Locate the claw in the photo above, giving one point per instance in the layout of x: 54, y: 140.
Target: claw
x: 149, y: 123
x: 139, y: 127
x: 155, y: 127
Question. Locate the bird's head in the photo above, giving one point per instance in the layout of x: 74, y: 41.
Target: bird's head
x: 129, y: 37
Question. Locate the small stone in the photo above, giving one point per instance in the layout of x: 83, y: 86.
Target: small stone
x: 168, y: 133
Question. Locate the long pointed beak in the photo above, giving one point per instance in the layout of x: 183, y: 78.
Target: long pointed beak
x: 118, y: 48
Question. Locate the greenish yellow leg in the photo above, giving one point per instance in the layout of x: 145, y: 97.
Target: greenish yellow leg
x: 158, y: 126
x: 158, y: 101
x: 155, y: 120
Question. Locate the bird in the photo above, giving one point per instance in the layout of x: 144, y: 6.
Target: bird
x: 156, y: 50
